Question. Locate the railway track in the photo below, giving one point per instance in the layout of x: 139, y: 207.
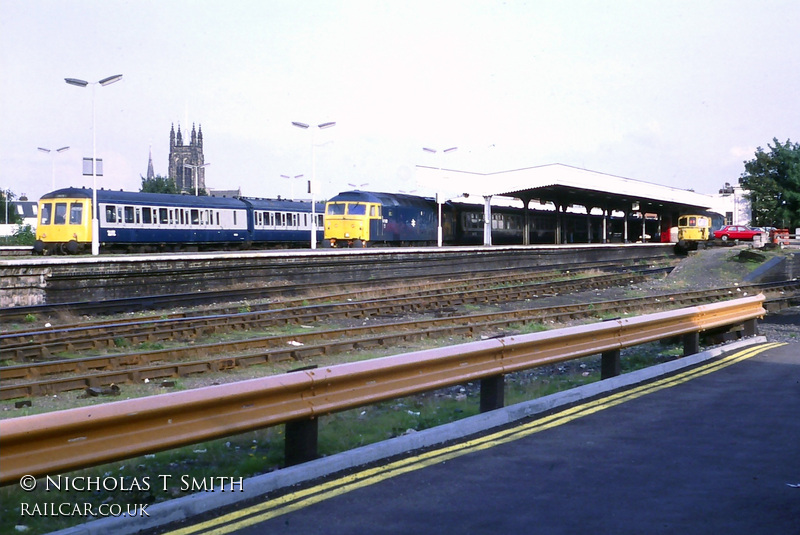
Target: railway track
x: 251, y: 293
x: 49, y: 377
x: 419, y: 297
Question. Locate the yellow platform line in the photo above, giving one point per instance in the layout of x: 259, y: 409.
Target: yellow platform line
x: 298, y: 500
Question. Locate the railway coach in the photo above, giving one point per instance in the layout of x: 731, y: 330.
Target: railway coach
x: 151, y: 222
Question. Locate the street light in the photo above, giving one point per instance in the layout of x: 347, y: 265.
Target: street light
x: 58, y: 151
x: 95, y: 210
x: 291, y: 181
x: 311, y: 183
x: 438, y: 194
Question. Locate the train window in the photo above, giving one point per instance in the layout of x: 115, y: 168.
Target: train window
x: 336, y: 208
x: 75, y: 213
x: 217, y: 214
x: 111, y: 214
x: 234, y: 217
x: 374, y: 210
x: 146, y: 216
x: 138, y: 215
x: 195, y: 217
x: 61, y: 213
x: 357, y: 209
x: 162, y: 216
x: 47, y: 209
x: 129, y: 214
x: 319, y: 220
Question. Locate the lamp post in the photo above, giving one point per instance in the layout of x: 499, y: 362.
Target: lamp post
x: 54, y: 154
x: 196, y: 174
x: 311, y: 183
x: 95, y: 210
x: 291, y: 180
x: 439, y: 194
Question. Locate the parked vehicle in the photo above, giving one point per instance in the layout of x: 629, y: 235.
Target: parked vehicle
x: 736, y: 232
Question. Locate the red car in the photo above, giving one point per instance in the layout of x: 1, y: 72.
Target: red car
x: 735, y: 232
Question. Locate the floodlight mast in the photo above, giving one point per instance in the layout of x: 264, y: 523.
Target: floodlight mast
x: 439, y: 200
x: 311, y: 183
x: 95, y: 224
x: 58, y: 151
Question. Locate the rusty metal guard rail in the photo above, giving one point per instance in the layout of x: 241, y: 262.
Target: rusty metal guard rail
x: 49, y: 443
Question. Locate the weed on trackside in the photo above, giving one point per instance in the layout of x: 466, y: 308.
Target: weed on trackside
x: 182, y: 471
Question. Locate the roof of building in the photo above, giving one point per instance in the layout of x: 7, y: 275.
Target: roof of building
x: 564, y: 184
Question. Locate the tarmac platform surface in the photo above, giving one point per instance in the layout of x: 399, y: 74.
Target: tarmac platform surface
x: 714, y: 448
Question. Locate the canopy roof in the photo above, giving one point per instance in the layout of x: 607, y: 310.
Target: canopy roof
x: 565, y: 185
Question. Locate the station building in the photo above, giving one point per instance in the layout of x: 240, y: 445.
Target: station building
x: 641, y: 206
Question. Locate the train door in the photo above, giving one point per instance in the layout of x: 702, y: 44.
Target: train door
x: 375, y: 223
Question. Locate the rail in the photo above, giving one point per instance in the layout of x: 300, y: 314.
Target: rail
x: 49, y: 443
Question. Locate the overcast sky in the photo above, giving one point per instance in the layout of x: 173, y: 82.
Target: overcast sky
x: 676, y: 93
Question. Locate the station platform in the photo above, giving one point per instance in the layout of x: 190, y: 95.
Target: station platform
x: 711, y: 449
x: 704, y: 444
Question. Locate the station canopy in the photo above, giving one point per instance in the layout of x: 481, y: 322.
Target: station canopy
x: 564, y: 185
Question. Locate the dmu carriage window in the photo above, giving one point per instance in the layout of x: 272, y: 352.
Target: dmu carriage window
x: 295, y: 220
x: 47, y: 209
x: 129, y: 214
x: 146, y: 216
x: 61, y: 213
x: 75, y: 213
x: 111, y: 214
x: 195, y: 216
x: 162, y: 216
x: 272, y: 219
x: 283, y: 219
x: 234, y: 217
x: 217, y: 214
x: 138, y: 215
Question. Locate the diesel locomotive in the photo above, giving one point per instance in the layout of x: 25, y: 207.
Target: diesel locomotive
x: 363, y: 218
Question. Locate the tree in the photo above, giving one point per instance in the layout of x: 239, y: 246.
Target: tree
x: 773, y: 181
x: 8, y: 213
x: 158, y: 184
x: 162, y: 184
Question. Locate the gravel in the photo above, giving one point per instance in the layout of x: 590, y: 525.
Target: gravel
x: 783, y: 326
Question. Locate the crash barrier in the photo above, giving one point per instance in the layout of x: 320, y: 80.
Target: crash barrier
x: 46, y: 444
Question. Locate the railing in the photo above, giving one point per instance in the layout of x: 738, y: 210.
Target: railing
x: 45, y: 444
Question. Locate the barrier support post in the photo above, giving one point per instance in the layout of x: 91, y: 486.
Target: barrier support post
x: 301, y: 441
x: 610, y: 365
x: 492, y: 393
x: 751, y: 327
x: 691, y: 343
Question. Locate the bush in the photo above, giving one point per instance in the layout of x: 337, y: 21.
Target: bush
x: 23, y: 235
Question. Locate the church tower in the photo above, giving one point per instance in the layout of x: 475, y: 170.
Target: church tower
x: 186, y: 161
